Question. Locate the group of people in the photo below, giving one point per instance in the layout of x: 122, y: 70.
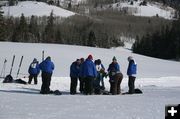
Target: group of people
x: 90, y: 75
x: 46, y: 67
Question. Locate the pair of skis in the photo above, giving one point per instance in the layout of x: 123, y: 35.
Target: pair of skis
x: 18, y: 67
x: 4, y: 65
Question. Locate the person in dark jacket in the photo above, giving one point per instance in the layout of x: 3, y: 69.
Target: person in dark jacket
x: 33, y: 71
x: 81, y: 78
x: 89, y: 73
x: 131, y: 72
x: 115, y: 77
x: 74, y: 74
x: 47, y: 67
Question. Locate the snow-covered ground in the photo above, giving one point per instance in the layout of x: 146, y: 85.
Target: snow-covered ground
x: 158, y: 79
x: 29, y: 8
x: 152, y: 9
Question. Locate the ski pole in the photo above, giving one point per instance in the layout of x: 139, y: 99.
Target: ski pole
x: 19, y: 66
x: 3, y: 69
x: 43, y: 55
x: 12, y: 64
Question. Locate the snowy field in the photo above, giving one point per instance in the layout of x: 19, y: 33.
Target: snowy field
x: 158, y: 79
x: 29, y: 8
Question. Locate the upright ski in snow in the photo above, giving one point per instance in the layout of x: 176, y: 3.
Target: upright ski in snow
x: 19, y: 66
x: 3, y: 71
x: 12, y: 65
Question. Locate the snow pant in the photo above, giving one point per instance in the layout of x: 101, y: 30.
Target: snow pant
x: 96, y: 84
x: 131, y: 84
x: 88, y: 85
x: 102, y: 83
x: 73, y: 85
x: 46, y: 81
x: 81, y: 84
x: 115, y: 84
x: 111, y: 86
x: 31, y: 76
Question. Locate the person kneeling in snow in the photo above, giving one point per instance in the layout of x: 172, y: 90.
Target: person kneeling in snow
x: 47, y: 67
x: 131, y: 72
x: 115, y: 77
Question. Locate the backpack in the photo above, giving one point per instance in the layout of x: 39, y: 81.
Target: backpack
x: 8, y: 79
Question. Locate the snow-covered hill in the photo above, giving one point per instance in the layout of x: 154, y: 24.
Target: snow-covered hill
x: 159, y: 80
x: 149, y: 10
x: 29, y: 8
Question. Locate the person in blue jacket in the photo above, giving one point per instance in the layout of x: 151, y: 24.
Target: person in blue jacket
x: 89, y: 73
x: 33, y: 71
x: 74, y: 74
x: 47, y: 67
x: 131, y: 72
x: 115, y: 76
x: 81, y: 78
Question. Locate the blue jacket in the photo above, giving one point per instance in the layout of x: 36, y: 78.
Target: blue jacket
x: 81, y: 70
x: 89, y: 69
x: 114, y: 67
x: 34, y: 68
x: 132, y: 68
x: 74, y: 69
x: 47, y: 66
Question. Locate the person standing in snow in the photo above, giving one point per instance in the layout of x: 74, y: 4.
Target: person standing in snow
x: 131, y: 72
x: 33, y: 71
x: 47, y: 67
x: 100, y: 72
x: 115, y: 77
x: 74, y: 74
x: 81, y: 79
x: 89, y: 73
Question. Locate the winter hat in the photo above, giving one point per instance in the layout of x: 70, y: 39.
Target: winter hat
x: 78, y: 60
x: 98, y: 61
x: 82, y: 59
x: 48, y: 58
x: 90, y: 57
x: 114, y: 58
x: 34, y: 60
x: 130, y: 58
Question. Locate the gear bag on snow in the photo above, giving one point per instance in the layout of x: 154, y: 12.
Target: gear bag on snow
x: 8, y: 79
x: 138, y: 91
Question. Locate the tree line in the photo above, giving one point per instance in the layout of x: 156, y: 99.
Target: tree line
x: 75, y: 30
x: 161, y: 44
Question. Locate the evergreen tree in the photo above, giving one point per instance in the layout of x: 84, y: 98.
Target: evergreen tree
x: 2, y: 26
x: 34, y: 30
x: 12, y: 2
x: 58, y: 36
x: 176, y: 38
x: 49, y: 33
x: 91, y: 39
x: 69, y: 5
x: 21, y: 31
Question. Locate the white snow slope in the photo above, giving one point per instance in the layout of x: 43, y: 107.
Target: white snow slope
x: 152, y: 9
x: 29, y: 8
x: 158, y: 79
